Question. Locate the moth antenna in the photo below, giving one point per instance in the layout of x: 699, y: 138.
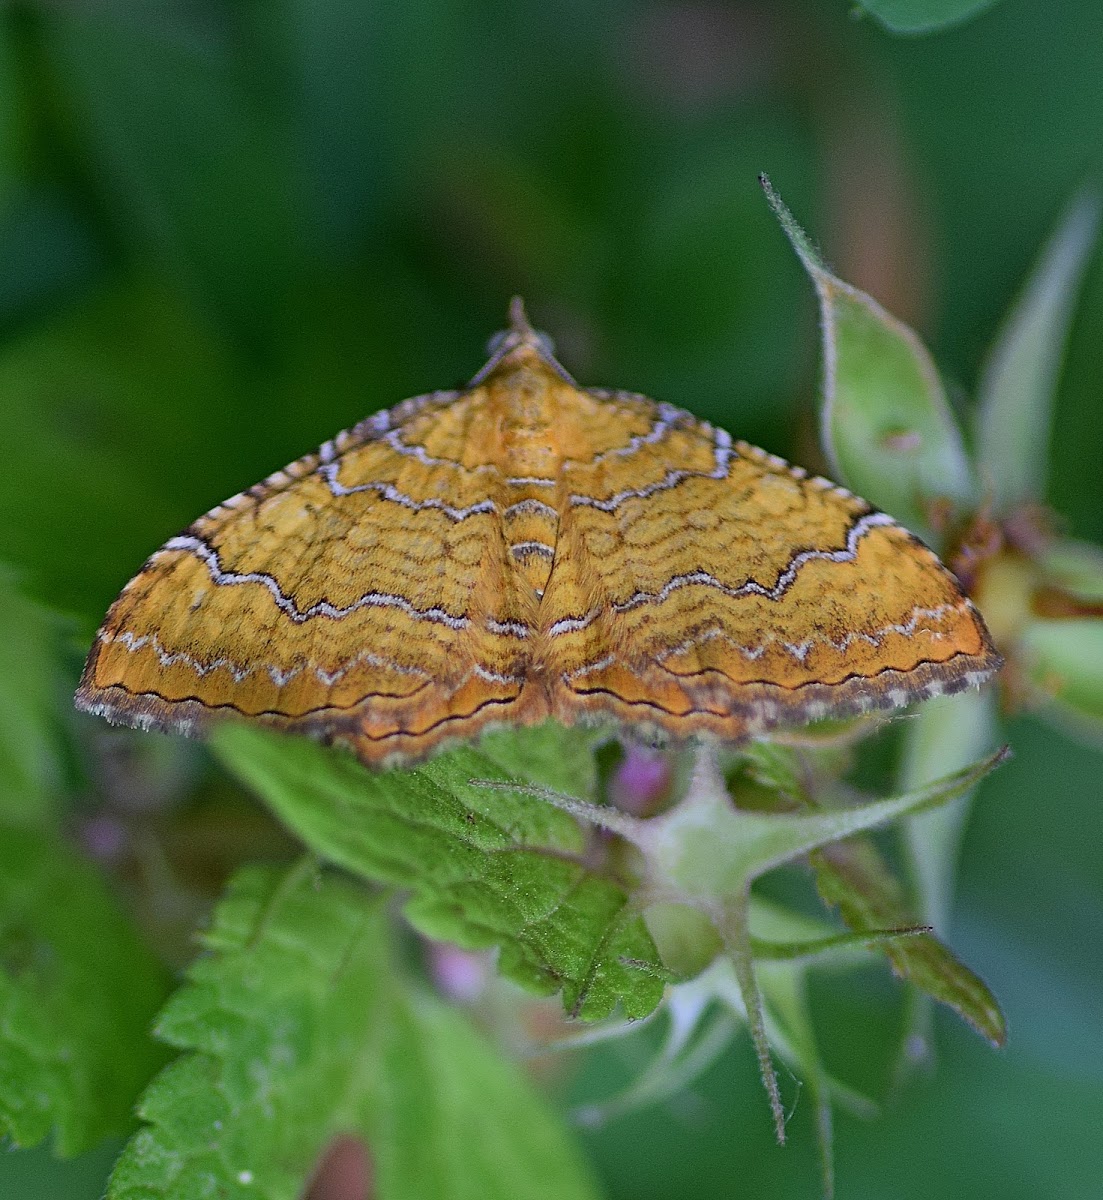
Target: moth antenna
x: 518, y: 318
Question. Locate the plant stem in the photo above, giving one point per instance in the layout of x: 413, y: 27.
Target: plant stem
x: 735, y: 931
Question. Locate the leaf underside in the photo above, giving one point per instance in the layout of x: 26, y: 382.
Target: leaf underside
x: 853, y: 876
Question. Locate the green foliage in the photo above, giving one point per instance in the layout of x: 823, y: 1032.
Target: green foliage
x: 549, y: 754
x: 1075, y: 567
x: 1065, y: 659
x: 1044, y: 591
x: 78, y: 987
x: 1016, y: 394
x: 69, y: 393
x: 706, y: 847
x: 486, y: 867
x: 1062, y: 653
x: 78, y: 990
x: 31, y: 741
x: 892, y: 436
x: 170, y: 128
x: 227, y: 231
x: 296, y: 1027
x: 922, y: 16
x: 853, y: 876
x: 945, y: 735
x: 885, y: 422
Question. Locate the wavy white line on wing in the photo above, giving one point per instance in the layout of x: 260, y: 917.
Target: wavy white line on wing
x: 280, y: 677
x: 521, y: 550
x: 752, y: 587
x: 573, y: 624
x: 322, y: 608
x: 668, y: 415
x: 507, y: 628
x: 495, y: 676
x: 531, y: 507
x: 722, y: 455
x: 388, y: 491
x: 800, y: 650
x: 589, y: 668
x: 394, y: 440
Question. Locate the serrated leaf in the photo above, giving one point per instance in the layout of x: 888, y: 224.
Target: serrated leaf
x: 1020, y: 378
x: 486, y: 867
x: 78, y: 991
x: 886, y: 425
x: 923, y: 16
x: 853, y: 876
x: 299, y: 1030
x: 30, y: 685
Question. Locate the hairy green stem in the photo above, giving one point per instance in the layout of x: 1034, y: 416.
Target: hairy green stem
x: 735, y: 930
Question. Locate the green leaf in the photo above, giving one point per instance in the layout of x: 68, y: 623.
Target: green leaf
x: 1020, y: 378
x: 78, y: 991
x: 709, y: 852
x: 1064, y: 659
x: 886, y: 426
x: 1075, y: 567
x: 70, y: 391
x: 31, y: 747
x: 923, y: 16
x: 555, y: 755
x: 468, y: 1123
x: 47, y: 247
x: 707, y: 848
x: 298, y: 1029
x: 12, y: 109
x: 486, y: 867
x: 853, y: 876
x: 942, y: 736
x: 194, y: 164
x: 945, y: 735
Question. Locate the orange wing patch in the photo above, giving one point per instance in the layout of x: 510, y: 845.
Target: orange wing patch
x: 526, y: 549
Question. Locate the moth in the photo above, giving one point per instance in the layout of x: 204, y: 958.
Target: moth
x: 526, y: 549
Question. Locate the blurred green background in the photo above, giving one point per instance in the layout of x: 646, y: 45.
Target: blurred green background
x: 229, y: 229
